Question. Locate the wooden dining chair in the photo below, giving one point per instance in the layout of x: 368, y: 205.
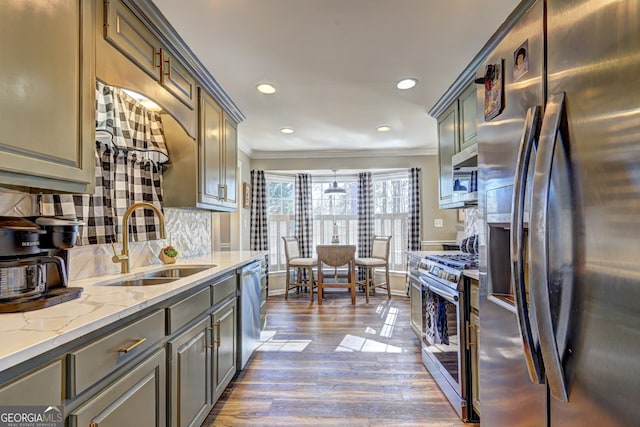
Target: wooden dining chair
x: 301, y: 264
x: 379, y: 258
x: 336, y: 256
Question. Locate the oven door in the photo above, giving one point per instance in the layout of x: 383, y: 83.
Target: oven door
x: 442, y: 354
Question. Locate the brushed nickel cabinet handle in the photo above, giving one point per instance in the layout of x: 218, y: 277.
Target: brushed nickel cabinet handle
x: 209, y: 328
x: 217, y: 340
x: 132, y: 346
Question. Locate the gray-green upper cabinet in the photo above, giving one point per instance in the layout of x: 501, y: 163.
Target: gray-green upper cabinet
x: 130, y: 36
x: 47, y: 99
x: 218, y: 156
x: 230, y: 141
x: 132, y: 54
x: 448, y: 145
x: 468, y: 117
x: 177, y: 80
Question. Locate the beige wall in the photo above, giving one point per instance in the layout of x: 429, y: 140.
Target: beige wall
x: 429, y: 165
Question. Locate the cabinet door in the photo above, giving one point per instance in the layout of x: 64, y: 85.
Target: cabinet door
x: 132, y: 38
x: 177, y: 80
x: 210, y: 146
x: 468, y: 118
x: 189, y: 377
x: 448, y: 145
x: 138, y: 395
x: 416, y: 307
x: 230, y: 161
x: 225, y: 347
x: 47, y: 88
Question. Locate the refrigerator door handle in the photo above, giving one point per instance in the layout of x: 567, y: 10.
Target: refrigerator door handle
x: 539, y: 249
x: 535, y: 365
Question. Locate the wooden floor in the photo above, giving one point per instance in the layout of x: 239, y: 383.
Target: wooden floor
x: 335, y: 365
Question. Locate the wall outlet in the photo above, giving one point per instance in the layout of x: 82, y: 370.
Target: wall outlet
x: 437, y: 223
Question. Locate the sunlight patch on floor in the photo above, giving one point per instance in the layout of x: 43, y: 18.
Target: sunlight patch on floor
x: 268, y: 343
x: 365, y: 345
x: 296, y: 346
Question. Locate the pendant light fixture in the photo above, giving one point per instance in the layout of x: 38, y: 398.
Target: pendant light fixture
x: 334, y: 189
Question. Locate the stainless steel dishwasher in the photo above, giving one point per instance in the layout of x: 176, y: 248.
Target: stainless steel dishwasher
x: 249, y: 300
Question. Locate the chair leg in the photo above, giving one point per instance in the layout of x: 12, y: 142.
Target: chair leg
x: 310, y: 282
x: 388, y: 281
x: 287, y: 278
x: 366, y: 282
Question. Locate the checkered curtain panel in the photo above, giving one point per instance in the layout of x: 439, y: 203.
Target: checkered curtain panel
x: 366, y: 226
x: 258, y: 227
x: 129, y: 150
x: 414, y: 234
x: 304, y: 214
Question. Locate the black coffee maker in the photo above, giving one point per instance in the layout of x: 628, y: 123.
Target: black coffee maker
x: 31, y: 276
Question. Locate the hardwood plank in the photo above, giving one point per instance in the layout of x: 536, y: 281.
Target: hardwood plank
x: 335, y: 365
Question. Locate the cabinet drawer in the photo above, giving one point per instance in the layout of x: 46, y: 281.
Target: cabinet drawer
x: 475, y: 295
x: 137, y: 398
x: 180, y: 313
x: 224, y: 289
x: 40, y: 387
x: 91, y: 363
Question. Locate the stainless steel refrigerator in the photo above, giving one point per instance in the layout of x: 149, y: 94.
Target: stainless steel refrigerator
x: 559, y: 182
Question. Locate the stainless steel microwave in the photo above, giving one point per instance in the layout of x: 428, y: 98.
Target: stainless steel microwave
x: 465, y: 176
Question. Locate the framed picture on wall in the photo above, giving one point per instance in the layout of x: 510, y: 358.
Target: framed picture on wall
x: 246, y: 198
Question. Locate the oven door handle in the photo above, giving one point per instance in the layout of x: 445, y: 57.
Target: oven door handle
x: 452, y: 298
x: 533, y: 359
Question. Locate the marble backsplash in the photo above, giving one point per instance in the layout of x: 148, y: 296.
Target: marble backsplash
x: 188, y: 230
x: 471, y: 222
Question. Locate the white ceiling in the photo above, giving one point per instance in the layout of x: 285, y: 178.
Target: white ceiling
x: 335, y: 64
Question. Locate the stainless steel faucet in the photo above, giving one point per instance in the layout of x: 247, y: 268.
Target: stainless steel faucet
x: 123, y: 258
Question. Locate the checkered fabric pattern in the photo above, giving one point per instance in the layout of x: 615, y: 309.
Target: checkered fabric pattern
x: 258, y: 228
x: 414, y: 234
x: 132, y: 126
x: 304, y: 214
x: 127, y: 172
x: 366, y: 226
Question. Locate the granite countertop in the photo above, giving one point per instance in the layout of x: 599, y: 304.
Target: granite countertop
x: 29, y: 334
x: 474, y: 274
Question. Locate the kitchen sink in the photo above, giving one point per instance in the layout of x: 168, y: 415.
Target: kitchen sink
x: 145, y: 281
x: 178, y: 272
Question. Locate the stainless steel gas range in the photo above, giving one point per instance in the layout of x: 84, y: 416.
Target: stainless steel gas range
x: 445, y: 342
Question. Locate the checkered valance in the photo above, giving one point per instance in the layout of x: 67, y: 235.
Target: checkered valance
x: 130, y: 148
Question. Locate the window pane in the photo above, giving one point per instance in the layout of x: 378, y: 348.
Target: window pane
x: 274, y: 190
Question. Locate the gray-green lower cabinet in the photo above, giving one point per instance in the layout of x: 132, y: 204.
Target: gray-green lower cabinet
x: 189, y: 378
x: 225, y: 346
x: 42, y: 386
x: 138, y: 399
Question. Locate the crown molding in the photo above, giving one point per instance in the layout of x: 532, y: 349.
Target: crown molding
x: 327, y: 154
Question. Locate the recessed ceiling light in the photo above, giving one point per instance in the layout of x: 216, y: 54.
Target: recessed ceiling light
x: 407, y: 83
x: 384, y: 128
x: 266, y: 88
x: 286, y: 130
